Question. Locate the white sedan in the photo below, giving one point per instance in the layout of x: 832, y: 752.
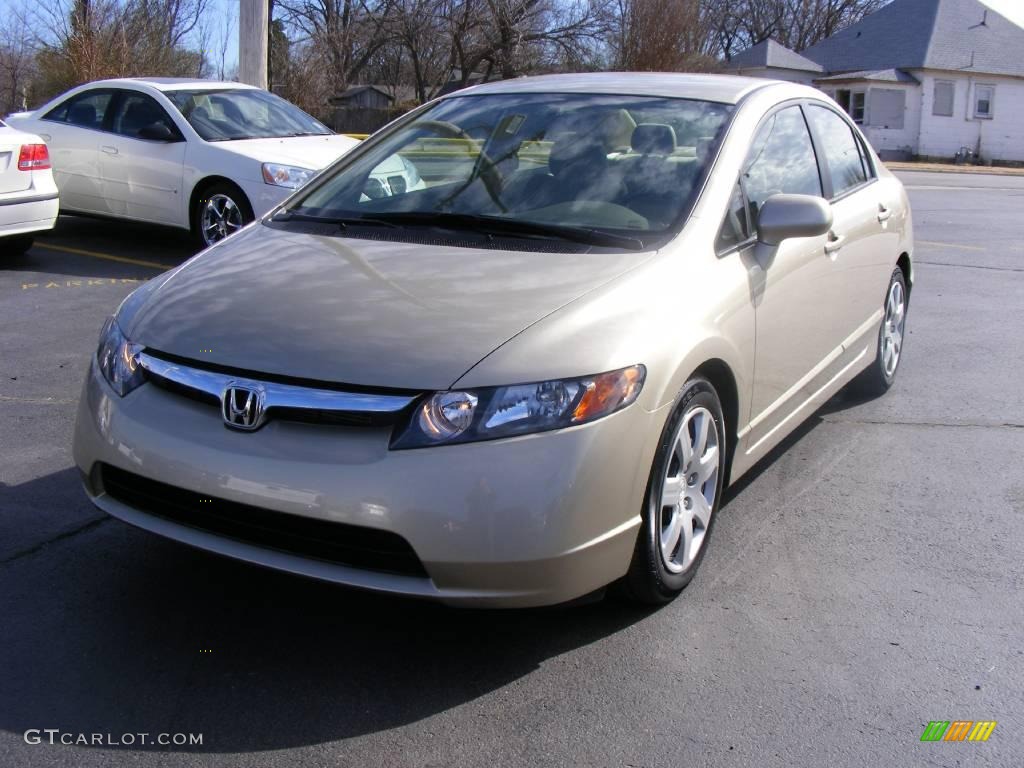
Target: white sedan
x: 197, y: 154
x: 28, y: 195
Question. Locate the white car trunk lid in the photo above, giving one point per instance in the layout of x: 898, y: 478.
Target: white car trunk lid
x: 11, y: 179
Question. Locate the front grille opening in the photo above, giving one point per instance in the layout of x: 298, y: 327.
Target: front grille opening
x: 351, y: 545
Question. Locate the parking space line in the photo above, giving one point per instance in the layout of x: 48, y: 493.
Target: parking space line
x: 107, y: 256
x: 958, y: 246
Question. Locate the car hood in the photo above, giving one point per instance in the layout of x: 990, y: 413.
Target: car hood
x: 314, y: 152
x: 361, y: 312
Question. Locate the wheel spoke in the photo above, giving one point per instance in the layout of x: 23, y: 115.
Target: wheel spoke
x: 670, y: 490
x: 686, y: 546
x: 670, y: 535
x: 708, y: 463
x: 700, y: 440
x: 701, y: 509
x: 685, y: 447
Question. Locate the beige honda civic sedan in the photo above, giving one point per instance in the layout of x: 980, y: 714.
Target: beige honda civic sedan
x: 526, y: 371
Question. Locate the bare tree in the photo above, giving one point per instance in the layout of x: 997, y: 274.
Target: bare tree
x: 797, y: 24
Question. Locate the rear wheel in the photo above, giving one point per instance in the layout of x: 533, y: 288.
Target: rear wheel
x: 683, y: 495
x: 876, y: 379
x: 221, y: 210
x: 16, y: 246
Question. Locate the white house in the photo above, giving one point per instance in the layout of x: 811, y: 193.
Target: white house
x: 930, y: 78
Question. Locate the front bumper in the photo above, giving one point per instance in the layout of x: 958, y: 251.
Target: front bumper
x: 526, y: 521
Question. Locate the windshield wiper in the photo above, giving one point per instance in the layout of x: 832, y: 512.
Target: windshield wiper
x: 340, y: 221
x: 512, y: 228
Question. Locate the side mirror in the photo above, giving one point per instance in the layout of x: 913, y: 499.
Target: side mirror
x: 784, y: 216
x: 157, y: 131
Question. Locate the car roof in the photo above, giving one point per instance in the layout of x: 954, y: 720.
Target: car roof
x: 171, y: 83
x: 726, y: 89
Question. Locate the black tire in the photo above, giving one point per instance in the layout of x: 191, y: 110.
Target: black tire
x: 877, y: 378
x: 649, y: 579
x: 214, y: 191
x: 16, y: 245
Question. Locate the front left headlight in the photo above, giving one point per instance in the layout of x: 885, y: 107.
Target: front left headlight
x: 463, y: 416
x: 288, y: 176
x: 118, y: 359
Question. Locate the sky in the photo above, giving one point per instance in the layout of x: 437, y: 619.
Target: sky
x: 1011, y: 9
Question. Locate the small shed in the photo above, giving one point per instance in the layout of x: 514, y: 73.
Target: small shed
x: 364, y: 97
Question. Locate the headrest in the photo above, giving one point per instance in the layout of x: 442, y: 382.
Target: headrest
x: 580, y: 154
x: 704, y: 144
x: 82, y: 114
x: 653, y: 139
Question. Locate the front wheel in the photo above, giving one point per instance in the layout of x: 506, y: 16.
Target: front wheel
x: 220, y: 211
x: 683, y: 495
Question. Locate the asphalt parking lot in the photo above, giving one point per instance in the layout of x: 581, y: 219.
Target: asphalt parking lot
x: 864, y: 581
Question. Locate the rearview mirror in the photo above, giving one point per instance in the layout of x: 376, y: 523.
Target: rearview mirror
x: 157, y: 131
x: 784, y: 216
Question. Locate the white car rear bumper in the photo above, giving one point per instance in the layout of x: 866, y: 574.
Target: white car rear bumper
x: 24, y: 214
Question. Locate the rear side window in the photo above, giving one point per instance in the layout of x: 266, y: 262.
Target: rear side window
x: 86, y: 110
x: 840, y: 148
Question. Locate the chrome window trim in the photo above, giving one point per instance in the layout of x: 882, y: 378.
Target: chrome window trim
x: 276, y: 395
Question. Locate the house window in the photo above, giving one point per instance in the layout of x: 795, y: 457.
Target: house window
x: 984, y: 96
x: 852, y: 103
x: 857, y: 106
x: 942, y: 98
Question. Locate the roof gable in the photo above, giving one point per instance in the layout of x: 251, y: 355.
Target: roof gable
x: 769, y: 53
x: 926, y: 34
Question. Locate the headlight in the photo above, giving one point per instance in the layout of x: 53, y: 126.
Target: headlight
x: 118, y: 359
x: 286, y: 175
x: 445, y: 418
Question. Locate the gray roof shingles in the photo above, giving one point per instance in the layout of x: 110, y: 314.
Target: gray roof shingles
x: 769, y: 53
x: 926, y: 34
x: 881, y: 75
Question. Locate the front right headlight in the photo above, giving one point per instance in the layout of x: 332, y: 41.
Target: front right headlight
x: 118, y: 359
x: 463, y: 416
x: 288, y: 176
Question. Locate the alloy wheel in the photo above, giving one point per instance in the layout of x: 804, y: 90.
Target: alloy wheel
x: 688, y: 490
x: 892, y: 328
x: 221, y: 217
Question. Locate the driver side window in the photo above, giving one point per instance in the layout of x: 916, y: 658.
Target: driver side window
x: 781, y: 160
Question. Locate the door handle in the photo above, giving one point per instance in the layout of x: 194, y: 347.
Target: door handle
x: 109, y: 150
x: 883, y: 213
x: 835, y: 242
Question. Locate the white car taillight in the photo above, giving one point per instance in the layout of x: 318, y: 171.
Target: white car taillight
x: 33, y: 157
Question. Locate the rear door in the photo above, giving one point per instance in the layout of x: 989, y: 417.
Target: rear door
x: 142, y: 176
x: 863, y: 241
x: 73, y: 130
x: 11, y: 179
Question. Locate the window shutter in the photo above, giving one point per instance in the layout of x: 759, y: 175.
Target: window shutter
x: 886, y: 107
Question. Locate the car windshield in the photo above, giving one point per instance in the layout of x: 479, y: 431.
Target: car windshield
x: 243, y: 113
x: 630, y: 165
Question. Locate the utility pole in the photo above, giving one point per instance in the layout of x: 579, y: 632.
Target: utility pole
x: 253, y: 41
